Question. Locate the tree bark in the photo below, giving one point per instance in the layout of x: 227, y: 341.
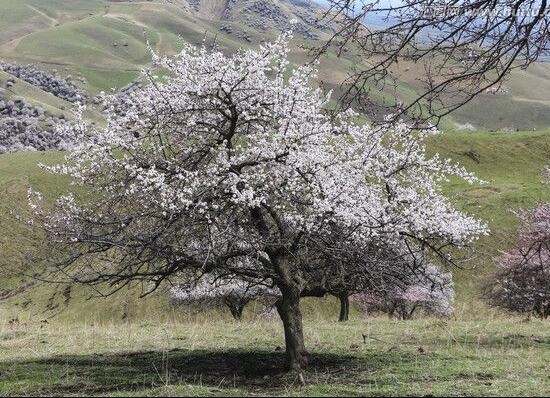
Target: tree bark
x: 344, y: 308
x: 237, y: 312
x: 288, y: 308
x: 235, y: 308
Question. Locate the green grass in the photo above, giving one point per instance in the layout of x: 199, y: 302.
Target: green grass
x: 18, y: 19
x: 208, y: 357
x: 95, y: 42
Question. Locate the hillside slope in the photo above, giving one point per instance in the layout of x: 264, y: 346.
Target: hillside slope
x: 105, y: 43
x: 510, y: 163
x: 33, y: 94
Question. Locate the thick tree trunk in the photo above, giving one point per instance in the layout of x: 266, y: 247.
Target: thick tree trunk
x: 288, y: 308
x: 344, y: 308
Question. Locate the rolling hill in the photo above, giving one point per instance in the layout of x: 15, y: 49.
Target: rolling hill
x: 105, y: 43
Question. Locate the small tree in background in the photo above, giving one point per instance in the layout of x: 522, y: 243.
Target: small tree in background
x: 211, y: 291
x: 232, y: 166
x: 397, y: 279
x: 522, y: 283
x: 430, y: 291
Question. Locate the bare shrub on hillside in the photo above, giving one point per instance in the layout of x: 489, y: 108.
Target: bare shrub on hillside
x: 51, y: 83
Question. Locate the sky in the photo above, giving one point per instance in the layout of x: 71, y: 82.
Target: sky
x: 372, y: 19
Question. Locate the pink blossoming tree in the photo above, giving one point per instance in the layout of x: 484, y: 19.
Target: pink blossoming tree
x: 429, y: 290
x: 522, y: 283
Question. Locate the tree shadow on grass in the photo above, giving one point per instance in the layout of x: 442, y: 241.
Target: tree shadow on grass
x: 135, y: 371
x: 219, y: 371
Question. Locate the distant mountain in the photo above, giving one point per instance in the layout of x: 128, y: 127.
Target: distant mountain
x: 373, y: 20
x: 267, y: 16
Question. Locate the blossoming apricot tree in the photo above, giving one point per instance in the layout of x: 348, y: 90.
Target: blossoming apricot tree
x: 211, y: 290
x: 231, y: 163
x: 429, y: 290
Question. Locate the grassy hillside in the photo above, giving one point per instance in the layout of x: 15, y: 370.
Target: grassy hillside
x: 525, y: 106
x: 34, y: 95
x: 522, y: 102
x: 105, y: 42
x: 510, y: 163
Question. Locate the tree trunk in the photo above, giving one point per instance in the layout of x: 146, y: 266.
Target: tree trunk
x: 541, y: 310
x: 288, y: 308
x: 344, y: 308
x: 236, y: 308
x: 237, y: 312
